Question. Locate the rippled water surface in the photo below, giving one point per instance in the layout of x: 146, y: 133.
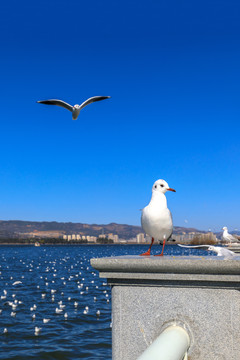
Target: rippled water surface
x: 34, y: 281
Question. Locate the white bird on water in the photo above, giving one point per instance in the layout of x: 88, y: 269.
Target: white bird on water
x: 156, y: 217
x: 228, y: 237
x: 58, y: 311
x: 37, y: 330
x: 17, y: 283
x: 75, y: 110
x: 220, y: 251
x: 45, y: 321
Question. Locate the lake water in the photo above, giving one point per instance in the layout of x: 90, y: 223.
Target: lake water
x: 53, y: 277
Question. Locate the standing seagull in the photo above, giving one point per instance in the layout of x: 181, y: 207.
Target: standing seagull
x: 156, y: 217
x: 228, y: 237
x: 75, y: 110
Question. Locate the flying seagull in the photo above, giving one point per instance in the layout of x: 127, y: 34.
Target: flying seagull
x: 220, y: 251
x: 228, y: 237
x: 156, y: 217
x: 75, y: 110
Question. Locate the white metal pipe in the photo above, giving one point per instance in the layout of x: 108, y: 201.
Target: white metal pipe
x: 171, y: 344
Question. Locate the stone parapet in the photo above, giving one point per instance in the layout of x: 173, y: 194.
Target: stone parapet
x: 150, y: 293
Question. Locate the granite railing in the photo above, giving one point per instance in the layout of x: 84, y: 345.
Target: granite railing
x: 150, y: 294
x: 234, y: 247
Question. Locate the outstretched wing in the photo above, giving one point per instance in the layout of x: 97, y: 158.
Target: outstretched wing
x: 193, y: 246
x: 56, y: 102
x: 93, y: 99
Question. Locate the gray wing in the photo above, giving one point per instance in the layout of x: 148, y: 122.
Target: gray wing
x: 93, y: 99
x: 229, y: 238
x: 56, y: 102
x: 193, y: 246
x: 227, y: 253
x: 232, y: 237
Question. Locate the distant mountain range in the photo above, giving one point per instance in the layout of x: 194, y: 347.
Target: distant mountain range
x: 17, y: 228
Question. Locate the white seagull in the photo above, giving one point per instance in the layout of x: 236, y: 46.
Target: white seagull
x: 156, y: 217
x: 17, y: 283
x: 75, y: 110
x: 58, y: 311
x: 45, y: 321
x: 220, y: 251
x: 37, y: 330
x: 228, y: 237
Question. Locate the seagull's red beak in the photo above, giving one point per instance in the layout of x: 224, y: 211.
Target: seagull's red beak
x: 170, y: 189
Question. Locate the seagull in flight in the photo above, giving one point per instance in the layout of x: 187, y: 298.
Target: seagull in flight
x: 156, y: 217
x: 220, y: 251
x: 228, y: 237
x: 75, y: 110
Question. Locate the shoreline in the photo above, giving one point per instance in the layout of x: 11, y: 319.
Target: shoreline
x: 83, y: 244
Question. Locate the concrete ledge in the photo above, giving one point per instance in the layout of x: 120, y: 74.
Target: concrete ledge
x: 169, y: 271
x: 168, y: 264
x: 235, y: 248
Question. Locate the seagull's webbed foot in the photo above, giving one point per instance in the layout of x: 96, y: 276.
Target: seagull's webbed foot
x: 148, y: 253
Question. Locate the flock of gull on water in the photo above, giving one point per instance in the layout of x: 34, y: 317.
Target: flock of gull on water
x: 47, y: 289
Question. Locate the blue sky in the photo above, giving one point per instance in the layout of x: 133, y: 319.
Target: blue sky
x: 172, y: 71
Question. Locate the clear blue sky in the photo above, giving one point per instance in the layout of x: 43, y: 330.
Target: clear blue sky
x: 172, y: 69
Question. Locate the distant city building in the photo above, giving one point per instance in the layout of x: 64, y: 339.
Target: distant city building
x: 115, y: 238
x: 102, y: 236
x: 178, y: 237
x: 92, y: 239
x: 65, y: 237
x: 44, y: 234
x: 73, y: 237
x: 132, y: 240
x: 140, y: 238
x: 78, y: 237
x: 184, y: 237
x: 123, y: 241
x: 69, y: 237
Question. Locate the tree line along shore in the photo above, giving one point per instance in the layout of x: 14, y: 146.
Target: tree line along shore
x: 198, y: 239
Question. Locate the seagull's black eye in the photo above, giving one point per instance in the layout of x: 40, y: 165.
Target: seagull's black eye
x: 155, y: 186
x: 162, y: 185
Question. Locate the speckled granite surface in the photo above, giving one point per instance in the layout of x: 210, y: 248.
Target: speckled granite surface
x: 148, y: 294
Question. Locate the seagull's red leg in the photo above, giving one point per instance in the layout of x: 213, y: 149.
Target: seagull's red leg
x: 164, y: 241
x: 149, y: 250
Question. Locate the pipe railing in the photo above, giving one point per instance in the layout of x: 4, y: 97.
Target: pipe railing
x: 171, y: 344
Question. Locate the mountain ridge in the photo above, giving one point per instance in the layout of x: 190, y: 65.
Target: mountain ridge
x: 17, y: 228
